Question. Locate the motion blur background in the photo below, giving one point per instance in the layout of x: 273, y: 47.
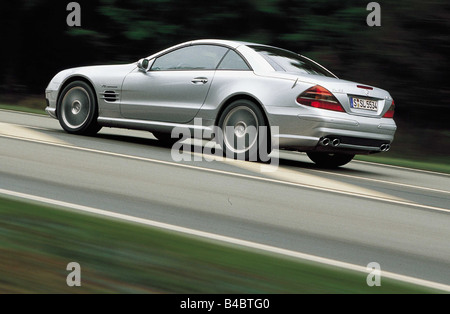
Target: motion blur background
x: 408, y: 55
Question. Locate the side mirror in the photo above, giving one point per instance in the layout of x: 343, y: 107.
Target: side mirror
x: 144, y: 65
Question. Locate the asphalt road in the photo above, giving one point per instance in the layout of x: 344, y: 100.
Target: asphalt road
x: 361, y: 213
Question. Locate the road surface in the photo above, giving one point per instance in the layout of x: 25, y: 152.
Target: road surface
x: 360, y: 213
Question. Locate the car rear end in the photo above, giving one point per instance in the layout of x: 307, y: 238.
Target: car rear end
x: 349, y: 117
x: 319, y: 112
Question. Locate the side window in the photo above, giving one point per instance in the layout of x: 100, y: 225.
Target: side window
x: 198, y: 57
x: 233, y: 61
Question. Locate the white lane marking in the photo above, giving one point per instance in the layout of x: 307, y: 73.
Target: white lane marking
x: 293, y: 156
x: 249, y: 166
x: 10, y: 129
x: 386, y: 182
x: 251, y: 177
x: 29, y: 127
x: 289, y: 175
x: 226, y: 239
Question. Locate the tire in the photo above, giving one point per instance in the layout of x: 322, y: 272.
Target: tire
x: 77, y: 109
x: 242, y: 136
x: 330, y: 160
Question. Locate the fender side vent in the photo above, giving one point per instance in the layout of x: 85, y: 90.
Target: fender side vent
x: 110, y: 96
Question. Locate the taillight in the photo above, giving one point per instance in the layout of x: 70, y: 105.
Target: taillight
x: 319, y: 97
x: 390, y: 112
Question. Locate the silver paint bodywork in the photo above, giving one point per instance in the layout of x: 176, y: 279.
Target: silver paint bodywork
x: 159, y: 101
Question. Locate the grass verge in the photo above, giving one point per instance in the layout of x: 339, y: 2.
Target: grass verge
x: 437, y: 165
x: 23, y: 109
x: 118, y: 257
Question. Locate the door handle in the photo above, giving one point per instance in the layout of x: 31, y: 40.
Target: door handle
x: 200, y: 80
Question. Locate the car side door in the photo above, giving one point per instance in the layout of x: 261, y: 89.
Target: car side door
x: 174, y: 88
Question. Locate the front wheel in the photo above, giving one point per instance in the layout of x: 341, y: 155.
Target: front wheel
x: 77, y: 109
x: 330, y: 160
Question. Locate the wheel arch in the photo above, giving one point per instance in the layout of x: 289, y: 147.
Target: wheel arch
x: 233, y: 98
x: 73, y: 79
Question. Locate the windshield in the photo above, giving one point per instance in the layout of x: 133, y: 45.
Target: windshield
x: 286, y: 61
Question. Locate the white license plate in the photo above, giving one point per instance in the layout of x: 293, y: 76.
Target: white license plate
x: 365, y: 104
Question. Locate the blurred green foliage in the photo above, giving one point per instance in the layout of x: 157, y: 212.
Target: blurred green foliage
x: 407, y: 55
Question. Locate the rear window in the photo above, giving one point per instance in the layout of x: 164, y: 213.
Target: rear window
x: 287, y: 61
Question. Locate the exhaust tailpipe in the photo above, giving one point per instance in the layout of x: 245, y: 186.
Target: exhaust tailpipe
x: 385, y: 147
x: 325, y: 141
x: 336, y: 142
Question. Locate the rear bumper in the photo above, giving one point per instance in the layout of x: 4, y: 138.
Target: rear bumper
x: 355, y: 134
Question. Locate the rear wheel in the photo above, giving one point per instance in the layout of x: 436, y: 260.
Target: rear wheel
x: 330, y: 160
x: 244, y: 131
x: 77, y: 109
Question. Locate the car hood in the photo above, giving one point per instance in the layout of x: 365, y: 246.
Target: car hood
x: 105, y: 69
x: 95, y: 74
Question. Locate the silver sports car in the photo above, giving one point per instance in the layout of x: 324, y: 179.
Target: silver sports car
x: 260, y: 93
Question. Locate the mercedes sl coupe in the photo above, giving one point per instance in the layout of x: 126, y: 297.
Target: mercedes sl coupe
x: 229, y: 85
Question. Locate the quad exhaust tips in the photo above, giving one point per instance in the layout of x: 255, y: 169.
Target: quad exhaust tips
x: 327, y: 141
x: 335, y: 142
x: 385, y: 147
